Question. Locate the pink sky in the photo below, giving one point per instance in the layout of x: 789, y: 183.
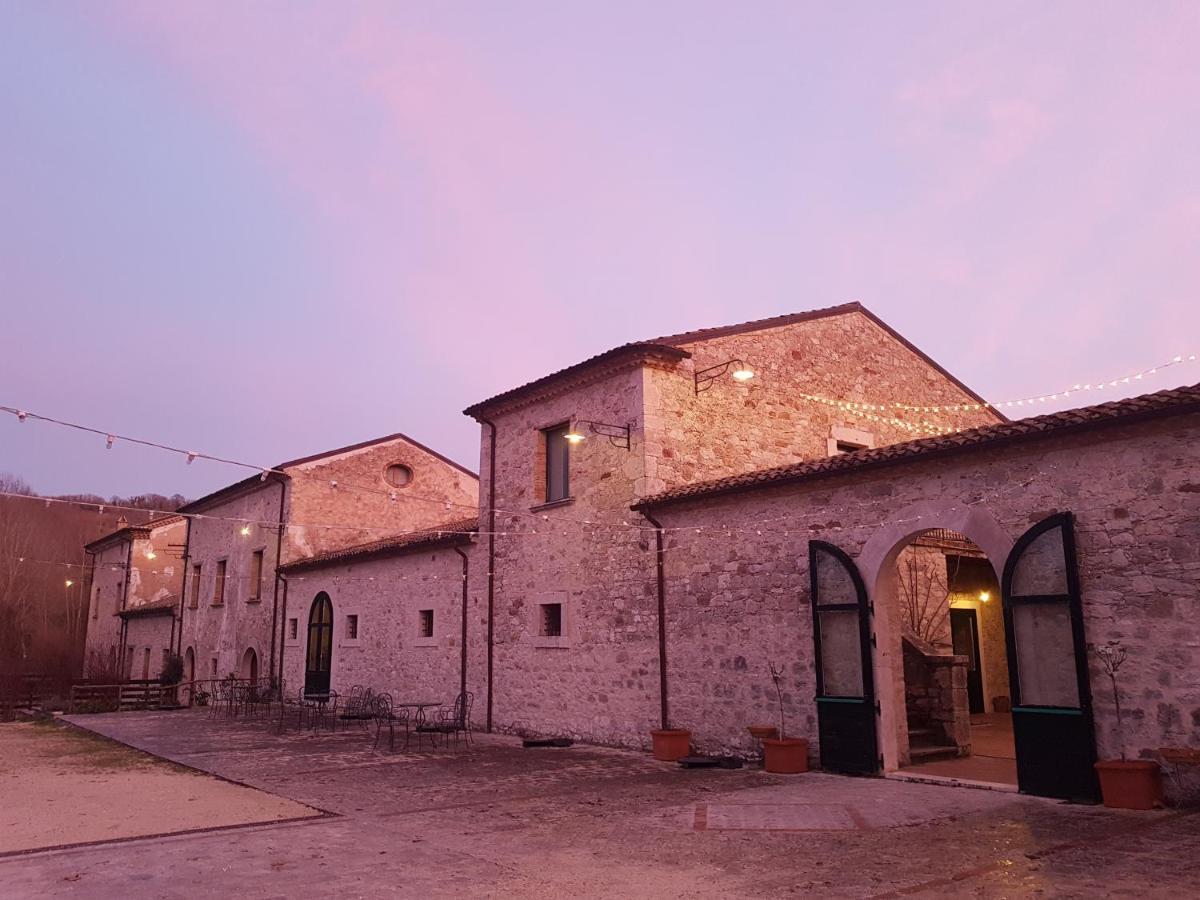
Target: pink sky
x: 267, y: 231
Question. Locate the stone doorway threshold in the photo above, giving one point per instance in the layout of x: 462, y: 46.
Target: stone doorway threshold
x: 950, y: 781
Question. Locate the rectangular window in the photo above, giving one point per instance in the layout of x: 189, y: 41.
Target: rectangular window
x: 847, y: 447
x: 117, y: 596
x: 214, y: 667
x: 425, y: 623
x: 194, y: 597
x: 146, y: 665
x: 558, y: 460
x: 219, y: 584
x: 293, y: 627
x: 256, y: 563
x: 351, y: 628
x: 551, y: 621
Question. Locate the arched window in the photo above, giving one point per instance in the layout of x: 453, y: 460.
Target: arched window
x: 320, y: 645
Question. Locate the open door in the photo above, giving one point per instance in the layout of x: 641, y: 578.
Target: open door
x: 842, y: 642
x: 1047, y: 664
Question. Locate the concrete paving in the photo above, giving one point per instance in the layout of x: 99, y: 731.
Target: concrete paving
x: 499, y: 820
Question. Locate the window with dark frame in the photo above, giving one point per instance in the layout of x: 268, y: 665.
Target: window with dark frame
x: 351, y: 628
x: 558, y: 463
x: 219, y: 585
x: 425, y: 623
x: 194, y: 599
x: 256, y: 567
x: 551, y: 623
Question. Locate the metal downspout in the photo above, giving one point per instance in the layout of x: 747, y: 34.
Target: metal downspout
x: 275, y: 591
x: 462, y: 678
x: 490, y: 524
x: 660, y: 559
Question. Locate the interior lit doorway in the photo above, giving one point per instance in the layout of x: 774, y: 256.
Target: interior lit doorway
x: 957, y: 720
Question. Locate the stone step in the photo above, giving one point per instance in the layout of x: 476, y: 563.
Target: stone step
x: 929, y: 753
x: 921, y: 732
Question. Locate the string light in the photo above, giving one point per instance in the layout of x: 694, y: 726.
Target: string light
x: 1050, y: 397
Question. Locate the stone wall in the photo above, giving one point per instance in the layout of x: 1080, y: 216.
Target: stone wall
x: 386, y: 594
x: 149, y: 637
x: 738, y: 597
x: 243, y: 620
x: 107, y: 595
x: 935, y: 693
x: 739, y: 427
x: 600, y: 680
x: 440, y: 491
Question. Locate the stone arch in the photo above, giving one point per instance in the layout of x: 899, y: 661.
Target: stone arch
x: 249, y: 666
x: 877, y: 564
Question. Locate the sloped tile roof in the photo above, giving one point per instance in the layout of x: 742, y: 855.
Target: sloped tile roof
x: 450, y: 533
x: 1148, y: 406
x: 669, y: 348
x: 153, y: 608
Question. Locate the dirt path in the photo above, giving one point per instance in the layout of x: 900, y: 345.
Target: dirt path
x: 63, y: 786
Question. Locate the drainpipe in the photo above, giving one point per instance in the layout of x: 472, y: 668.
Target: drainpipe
x: 491, y: 564
x: 125, y: 600
x: 187, y: 549
x: 660, y: 560
x: 279, y: 576
x: 462, y: 678
x: 275, y: 592
x: 87, y: 622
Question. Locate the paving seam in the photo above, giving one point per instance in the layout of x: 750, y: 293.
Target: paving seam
x: 198, y: 770
x: 320, y: 816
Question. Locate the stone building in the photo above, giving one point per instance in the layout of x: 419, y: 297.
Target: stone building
x: 131, y: 624
x: 233, y: 605
x: 661, y: 523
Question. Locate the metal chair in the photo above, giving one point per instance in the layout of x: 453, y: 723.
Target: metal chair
x: 359, y: 706
x: 325, y: 709
x: 453, y: 721
x: 386, y: 716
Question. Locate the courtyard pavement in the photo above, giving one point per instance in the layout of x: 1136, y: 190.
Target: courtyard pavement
x: 500, y: 820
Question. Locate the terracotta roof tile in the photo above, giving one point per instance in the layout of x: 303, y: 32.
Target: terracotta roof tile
x: 1169, y: 402
x: 153, y: 608
x: 449, y: 533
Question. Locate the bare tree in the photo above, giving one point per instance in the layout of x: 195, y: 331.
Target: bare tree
x: 924, y: 593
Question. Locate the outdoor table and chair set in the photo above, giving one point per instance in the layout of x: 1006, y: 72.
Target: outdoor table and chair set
x: 363, y: 706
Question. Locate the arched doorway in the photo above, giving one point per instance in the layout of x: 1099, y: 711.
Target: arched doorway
x: 1038, y: 643
x: 189, y: 673
x: 249, y: 667
x: 320, y: 645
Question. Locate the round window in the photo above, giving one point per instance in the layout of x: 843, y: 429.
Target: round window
x: 397, y: 475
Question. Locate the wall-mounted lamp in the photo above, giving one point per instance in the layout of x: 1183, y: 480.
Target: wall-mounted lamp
x: 618, y: 435
x: 985, y: 596
x: 737, y: 369
x: 245, y: 531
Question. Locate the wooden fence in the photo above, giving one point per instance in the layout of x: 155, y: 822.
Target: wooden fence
x: 129, y: 695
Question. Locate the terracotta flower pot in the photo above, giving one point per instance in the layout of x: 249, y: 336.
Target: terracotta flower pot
x: 1130, y: 784
x: 671, y: 744
x: 760, y: 732
x: 785, y: 756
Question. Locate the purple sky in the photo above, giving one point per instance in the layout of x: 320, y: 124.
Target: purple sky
x: 263, y: 230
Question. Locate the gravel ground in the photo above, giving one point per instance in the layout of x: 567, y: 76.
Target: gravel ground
x: 61, y: 785
x: 499, y: 820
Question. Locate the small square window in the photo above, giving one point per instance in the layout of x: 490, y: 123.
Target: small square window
x: 551, y: 620
x: 847, y: 447
x: 425, y: 623
x: 352, y: 628
x: 293, y: 628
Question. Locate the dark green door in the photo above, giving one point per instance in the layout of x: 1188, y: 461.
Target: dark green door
x: 1047, y: 664
x: 842, y: 650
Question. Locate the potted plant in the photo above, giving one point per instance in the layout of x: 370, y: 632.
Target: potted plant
x: 783, y: 755
x: 671, y: 744
x: 1125, y: 783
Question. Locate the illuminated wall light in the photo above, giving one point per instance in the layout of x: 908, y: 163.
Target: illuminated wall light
x: 245, y: 531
